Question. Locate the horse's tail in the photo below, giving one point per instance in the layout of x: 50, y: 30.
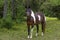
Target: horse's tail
x: 43, y: 22
x: 44, y: 17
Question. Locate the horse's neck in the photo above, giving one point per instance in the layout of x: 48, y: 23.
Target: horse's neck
x: 32, y: 13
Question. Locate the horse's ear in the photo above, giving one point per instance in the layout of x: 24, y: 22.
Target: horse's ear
x: 29, y: 7
x: 25, y: 6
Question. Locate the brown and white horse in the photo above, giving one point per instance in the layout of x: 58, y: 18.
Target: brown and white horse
x: 35, y: 19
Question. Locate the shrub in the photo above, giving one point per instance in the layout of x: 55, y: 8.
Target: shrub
x: 5, y: 24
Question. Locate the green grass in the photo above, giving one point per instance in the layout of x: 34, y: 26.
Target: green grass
x: 19, y: 31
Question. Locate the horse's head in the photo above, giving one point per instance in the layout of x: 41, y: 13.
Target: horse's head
x: 28, y: 12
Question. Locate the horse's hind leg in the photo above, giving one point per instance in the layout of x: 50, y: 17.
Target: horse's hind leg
x: 37, y: 29
x: 28, y: 31
x: 43, y: 28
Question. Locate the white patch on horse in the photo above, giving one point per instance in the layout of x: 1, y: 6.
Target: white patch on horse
x: 39, y: 17
x: 42, y: 34
x: 28, y: 36
x: 36, y: 34
x: 32, y: 14
x: 45, y: 18
x: 31, y: 36
x: 31, y: 32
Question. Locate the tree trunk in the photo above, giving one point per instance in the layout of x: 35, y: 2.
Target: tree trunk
x: 5, y: 8
x: 13, y: 9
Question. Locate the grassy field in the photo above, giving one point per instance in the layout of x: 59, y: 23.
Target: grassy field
x: 19, y: 31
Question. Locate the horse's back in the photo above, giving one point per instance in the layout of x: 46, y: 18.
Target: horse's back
x: 40, y: 17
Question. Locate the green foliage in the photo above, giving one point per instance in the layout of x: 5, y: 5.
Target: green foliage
x: 50, y: 8
x: 5, y: 24
x: 35, y: 5
x: 1, y: 8
x: 20, y: 12
x: 56, y: 11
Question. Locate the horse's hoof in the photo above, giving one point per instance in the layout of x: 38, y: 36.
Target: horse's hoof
x: 36, y: 34
x: 42, y: 34
x: 28, y: 37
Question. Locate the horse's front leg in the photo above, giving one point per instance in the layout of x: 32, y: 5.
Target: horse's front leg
x: 32, y: 30
x: 28, y: 31
x: 37, y: 26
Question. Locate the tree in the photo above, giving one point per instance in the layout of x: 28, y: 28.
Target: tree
x: 13, y: 6
x: 56, y: 11
x: 34, y: 4
x: 1, y: 11
x: 5, y: 8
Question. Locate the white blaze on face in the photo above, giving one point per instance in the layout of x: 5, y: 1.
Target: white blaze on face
x: 32, y: 14
x: 39, y: 17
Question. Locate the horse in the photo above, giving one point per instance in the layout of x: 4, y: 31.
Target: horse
x: 35, y: 19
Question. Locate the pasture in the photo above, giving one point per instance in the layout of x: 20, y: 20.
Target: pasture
x: 19, y: 31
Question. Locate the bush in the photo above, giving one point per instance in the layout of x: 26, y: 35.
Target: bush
x: 56, y: 11
x: 5, y: 24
